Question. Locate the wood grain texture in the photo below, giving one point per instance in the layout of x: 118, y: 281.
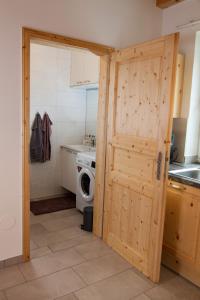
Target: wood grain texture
x: 52, y: 38
x: 178, y: 95
x: 26, y: 140
x: 139, y: 114
x: 181, y: 244
x: 167, y: 3
x: 41, y: 37
x: 101, y: 145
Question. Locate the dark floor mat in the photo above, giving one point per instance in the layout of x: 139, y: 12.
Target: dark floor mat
x: 51, y: 205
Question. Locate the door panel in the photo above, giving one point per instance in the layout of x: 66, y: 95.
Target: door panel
x: 139, y: 114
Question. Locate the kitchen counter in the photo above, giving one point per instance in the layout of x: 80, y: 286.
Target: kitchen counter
x: 179, y: 177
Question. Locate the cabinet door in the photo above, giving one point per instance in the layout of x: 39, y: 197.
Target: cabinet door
x: 91, y: 68
x: 84, y: 68
x: 77, y: 68
x: 68, y: 170
x: 181, y: 223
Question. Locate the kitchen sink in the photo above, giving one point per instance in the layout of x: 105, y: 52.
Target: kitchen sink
x: 80, y: 148
x: 192, y: 173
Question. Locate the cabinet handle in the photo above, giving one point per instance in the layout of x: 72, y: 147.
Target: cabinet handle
x: 177, y: 187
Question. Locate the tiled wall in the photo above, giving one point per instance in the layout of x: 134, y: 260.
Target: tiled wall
x: 50, y: 92
x: 91, y: 111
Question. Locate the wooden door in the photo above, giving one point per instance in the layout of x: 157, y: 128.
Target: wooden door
x: 139, y: 124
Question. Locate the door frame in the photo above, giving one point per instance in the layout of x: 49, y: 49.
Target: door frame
x: 104, y: 52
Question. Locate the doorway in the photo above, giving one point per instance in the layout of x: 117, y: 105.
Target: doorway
x: 42, y: 38
x: 133, y: 138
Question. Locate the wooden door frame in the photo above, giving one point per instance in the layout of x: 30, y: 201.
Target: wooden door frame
x: 103, y: 51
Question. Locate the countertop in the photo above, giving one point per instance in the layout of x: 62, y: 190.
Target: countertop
x: 179, y: 178
x: 79, y: 148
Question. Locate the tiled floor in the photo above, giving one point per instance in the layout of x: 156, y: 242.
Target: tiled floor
x: 70, y: 264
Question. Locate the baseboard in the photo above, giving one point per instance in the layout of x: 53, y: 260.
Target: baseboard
x: 11, y: 261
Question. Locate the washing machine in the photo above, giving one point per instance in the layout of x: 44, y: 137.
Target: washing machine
x: 86, y: 164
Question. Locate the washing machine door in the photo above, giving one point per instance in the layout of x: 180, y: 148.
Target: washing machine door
x: 86, y: 184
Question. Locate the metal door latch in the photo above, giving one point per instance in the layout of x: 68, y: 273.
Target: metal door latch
x: 159, y: 161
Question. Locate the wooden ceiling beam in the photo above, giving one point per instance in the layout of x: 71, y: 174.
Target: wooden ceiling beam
x: 166, y: 3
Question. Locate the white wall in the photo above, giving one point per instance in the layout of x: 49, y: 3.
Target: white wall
x: 118, y: 23
x: 91, y: 111
x: 193, y: 127
x: 172, y: 17
x: 50, y: 92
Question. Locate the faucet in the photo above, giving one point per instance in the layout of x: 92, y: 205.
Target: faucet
x: 93, y: 140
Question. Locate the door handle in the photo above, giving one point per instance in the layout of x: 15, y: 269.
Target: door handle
x: 159, y: 162
x: 177, y: 187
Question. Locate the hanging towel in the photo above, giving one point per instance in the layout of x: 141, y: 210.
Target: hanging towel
x: 36, y: 142
x: 46, y: 128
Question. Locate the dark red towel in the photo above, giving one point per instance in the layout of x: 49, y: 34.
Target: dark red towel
x: 36, y: 143
x: 46, y: 127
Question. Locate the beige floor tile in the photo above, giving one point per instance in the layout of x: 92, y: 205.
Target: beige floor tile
x: 166, y: 274
x: 2, y: 296
x: 67, y: 297
x: 50, y: 263
x: 102, y: 267
x: 82, y: 239
x: 174, y: 289
x: 2, y: 264
x: 141, y: 297
x: 57, y: 237
x: 40, y: 252
x: 94, y: 249
x: 33, y: 245
x: 62, y: 223
x: 43, y: 240
x: 13, y: 261
x: 72, y: 232
x: 10, y: 276
x: 37, y: 229
x: 48, y: 287
x: 55, y: 215
x: 40, y: 218
x: 123, y: 286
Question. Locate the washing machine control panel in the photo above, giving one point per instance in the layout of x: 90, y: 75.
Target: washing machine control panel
x: 84, y: 162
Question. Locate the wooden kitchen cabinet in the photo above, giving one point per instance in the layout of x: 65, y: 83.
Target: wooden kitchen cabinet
x: 178, y: 92
x: 181, y: 242
x: 84, y: 68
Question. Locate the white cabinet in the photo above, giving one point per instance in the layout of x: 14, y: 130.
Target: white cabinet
x: 84, y: 68
x: 68, y: 169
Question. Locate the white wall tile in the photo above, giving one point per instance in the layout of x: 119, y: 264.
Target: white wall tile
x: 91, y: 111
x: 50, y: 92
